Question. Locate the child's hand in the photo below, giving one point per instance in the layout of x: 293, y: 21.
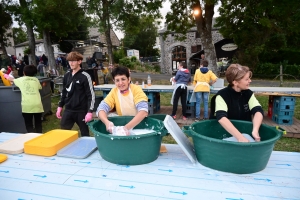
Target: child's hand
x: 88, y: 117
x: 58, y: 112
x: 255, y: 135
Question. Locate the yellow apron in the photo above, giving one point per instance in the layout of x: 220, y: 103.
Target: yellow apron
x: 127, y: 104
x: 193, y: 97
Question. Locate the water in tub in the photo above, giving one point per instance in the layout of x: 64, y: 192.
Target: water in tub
x: 233, y: 139
x: 119, y: 131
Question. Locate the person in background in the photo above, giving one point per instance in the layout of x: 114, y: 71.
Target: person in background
x: 20, y: 68
x: 40, y: 68
x: 9, y: 70
x: 203, y: 79
x: 182, y: 79
x: 89, y: 62
x: 78, y: 96
x: 32, y: 107
x: 44, y: 59
x: 26, y: 59
x: 202, y: 56
x: 238, y: 102
x: 20, y: 57
x: 128, y: 100
x: 105, y: 73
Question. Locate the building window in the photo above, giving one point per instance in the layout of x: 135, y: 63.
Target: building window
x: 195, y: 49
x: 197, y: 34
x: 179, y: 53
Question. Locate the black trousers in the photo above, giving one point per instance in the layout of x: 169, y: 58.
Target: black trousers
x: 182, y: 93
x: 69, y: 118
x: 28, y: 118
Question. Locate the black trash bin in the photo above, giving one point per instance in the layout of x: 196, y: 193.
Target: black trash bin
x: 10, y: 106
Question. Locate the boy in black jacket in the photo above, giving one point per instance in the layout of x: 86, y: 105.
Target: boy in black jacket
x: 78, y: 96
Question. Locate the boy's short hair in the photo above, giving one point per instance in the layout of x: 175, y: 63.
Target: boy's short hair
x: 30, y: 70
x: 74, y: 56
x: 183, y: 64
x: 120, y: 70
x: 204, y: 63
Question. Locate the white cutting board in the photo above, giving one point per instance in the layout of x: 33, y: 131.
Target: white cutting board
x: 16, y: 145
x: 180, y: 138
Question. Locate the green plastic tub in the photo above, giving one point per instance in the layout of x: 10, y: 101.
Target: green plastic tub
x: 160, y: 117
x: 235, y: 157
x: 129, y: 150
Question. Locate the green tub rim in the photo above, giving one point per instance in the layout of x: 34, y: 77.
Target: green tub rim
x: 192, y: 133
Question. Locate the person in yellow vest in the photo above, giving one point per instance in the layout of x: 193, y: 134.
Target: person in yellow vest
x: 127, y: 99
x: 105, y: 73
x: 202, y: 80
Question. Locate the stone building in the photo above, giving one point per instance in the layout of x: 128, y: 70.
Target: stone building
x: 189, y: 50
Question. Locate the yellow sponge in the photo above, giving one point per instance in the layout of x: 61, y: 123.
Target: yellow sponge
x: 3, y: 158
x: 49, y: 143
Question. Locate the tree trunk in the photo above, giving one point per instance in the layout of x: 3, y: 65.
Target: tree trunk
x: 31, y: 40
x: 49, y: 49
x: 105, y: 17
x: 204, y: 27
x: 4, y: 52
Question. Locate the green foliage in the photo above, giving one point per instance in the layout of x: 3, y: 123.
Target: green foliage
x: 133, y: 59
x: 156, y: 68
x: 270, y: 70
x: 144, y: 38
x: 5, y: 24
x: 148, y: 67
x: 120, y: 14
x: 19, y: 35
x: 291, y: 55
x: 26, y: 51
x: 57, y: 16
x: 127, y: 63
x: 118, y: 54
x: 260, y: 30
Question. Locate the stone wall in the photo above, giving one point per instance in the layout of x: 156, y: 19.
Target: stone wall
x: 170, y: 42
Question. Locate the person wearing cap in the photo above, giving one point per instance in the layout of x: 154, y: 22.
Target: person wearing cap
x: 78, y: 96
x: 126, y: 98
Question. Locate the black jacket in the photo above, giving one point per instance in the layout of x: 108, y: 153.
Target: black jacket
x: 78, y: 92
x: 237, y: 104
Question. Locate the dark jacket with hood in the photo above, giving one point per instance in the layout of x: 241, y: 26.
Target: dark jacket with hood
x: 78, y: 92
x: 183, y: 77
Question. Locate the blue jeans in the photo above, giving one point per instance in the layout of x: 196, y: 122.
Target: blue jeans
x: 199, y: 96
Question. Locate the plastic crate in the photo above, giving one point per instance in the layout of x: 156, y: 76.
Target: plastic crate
x: 153, y: 97
x: 284, y: 103
x: 190, y: 111
x: 152, y: 108
x: 286, y: 99
x: 288, y: 113
x: 105, y: 93
x: 283, y: 120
